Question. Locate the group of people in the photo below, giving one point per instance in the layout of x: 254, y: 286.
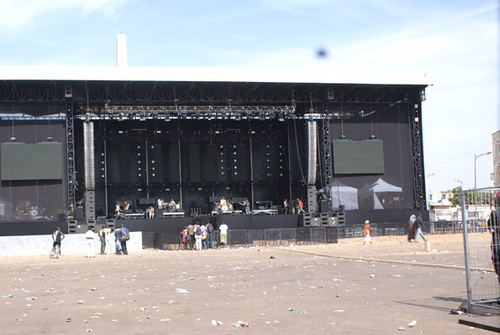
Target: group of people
x: 414, y: 230
x: 170, y: 206
x: 122, y: 208
x: 112, y: 241
x: 200, y: 236
x: 295, y: 207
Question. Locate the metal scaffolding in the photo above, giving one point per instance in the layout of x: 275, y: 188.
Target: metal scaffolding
x: 415, y: 120
x: 70, y: 147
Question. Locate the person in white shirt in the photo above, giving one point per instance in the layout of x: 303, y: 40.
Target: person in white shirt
x: 109, y: 239
x: 160, y: 203
x: 89, y: 239
x: 223, y: 228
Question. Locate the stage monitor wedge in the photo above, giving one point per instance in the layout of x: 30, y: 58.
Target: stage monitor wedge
x: 41, y: 161
x: 358, y: 157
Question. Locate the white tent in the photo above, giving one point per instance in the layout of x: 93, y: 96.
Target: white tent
x: 369, y: 194
x: 343, y: 195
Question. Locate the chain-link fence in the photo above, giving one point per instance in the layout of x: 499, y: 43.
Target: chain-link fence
x: 480, y: 214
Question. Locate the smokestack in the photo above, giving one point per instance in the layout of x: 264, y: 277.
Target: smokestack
x: 121, y: 50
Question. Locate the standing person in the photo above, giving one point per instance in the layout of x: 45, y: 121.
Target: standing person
x: 246, y: 205
x: 108, y: 240
x: 418, y: 226
x: 102, y: 238
x: 184, y: 237
x: 160, y: 203
x: 366, y: 232
x: 190, y: 230
x: 198, y: 233
x: 117, y: 232
x: 494, y: 229
x: 210, y: 234
x: 411, y: 227
x: 300, y: 208
x: 124, y: 237
x: 223, y: 233
x: 57, y: 237
x: 204, y: 244
x: 89, y: 239
x: 286, y: 205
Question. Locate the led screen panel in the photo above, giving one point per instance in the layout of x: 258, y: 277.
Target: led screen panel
x: 358, y: 157
x: 41, y: 161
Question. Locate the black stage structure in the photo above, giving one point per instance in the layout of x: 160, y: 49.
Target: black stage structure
x: 72, y: 149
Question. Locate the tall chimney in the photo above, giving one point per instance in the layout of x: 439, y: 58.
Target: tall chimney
x: 121, y: 50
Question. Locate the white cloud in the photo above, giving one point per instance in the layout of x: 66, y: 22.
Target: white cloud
x: 19, y: 14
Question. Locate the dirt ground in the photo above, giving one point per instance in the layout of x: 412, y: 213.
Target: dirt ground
x: 344, y: 288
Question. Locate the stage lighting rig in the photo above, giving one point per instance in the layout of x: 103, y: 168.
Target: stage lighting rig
x: 143, y: 113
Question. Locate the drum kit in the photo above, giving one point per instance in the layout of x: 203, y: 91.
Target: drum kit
x: 224, y: 205
x: 172, y: 206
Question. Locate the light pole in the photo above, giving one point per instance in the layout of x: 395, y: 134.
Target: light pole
x: 475, y: 159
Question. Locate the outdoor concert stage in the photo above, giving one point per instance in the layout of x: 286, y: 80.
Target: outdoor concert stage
x: 86, y: 139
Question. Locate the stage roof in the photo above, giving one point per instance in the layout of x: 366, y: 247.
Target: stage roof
x: 191, y: 74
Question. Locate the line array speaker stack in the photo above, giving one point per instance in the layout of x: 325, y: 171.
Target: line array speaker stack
x: 341, y: 218
x: 90, y: 206
x: 312, y: 201
x: 310, y: 220
x: 72, y: 226
x: 311, y: 152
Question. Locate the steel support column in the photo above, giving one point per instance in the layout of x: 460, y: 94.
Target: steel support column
x: 327, y: 156
x: 415, y: 123
x: 70, y: 148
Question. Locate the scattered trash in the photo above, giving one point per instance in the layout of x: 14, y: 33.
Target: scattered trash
x: 272, y: 257
x: 216, y: 323
x: 11, y: 295
x: 372, y: 276
x: 164, y: 320
x: 143, y: 309
x: 68, y: 320
x: 291, y: 309
x: 240, y: 324
x: 413, y: 323
x: 402, y: 329
x: 80, y: 302
x: 181, y: 290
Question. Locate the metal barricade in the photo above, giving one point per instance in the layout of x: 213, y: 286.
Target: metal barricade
x: 481, y: 247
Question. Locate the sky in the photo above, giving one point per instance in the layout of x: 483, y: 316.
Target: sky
x: 455, y: 44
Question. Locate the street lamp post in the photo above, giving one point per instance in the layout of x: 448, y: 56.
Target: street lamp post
x: 475, y: 192
x: 475, y: 159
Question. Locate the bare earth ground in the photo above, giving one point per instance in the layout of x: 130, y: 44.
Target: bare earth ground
x: 276, y: 290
